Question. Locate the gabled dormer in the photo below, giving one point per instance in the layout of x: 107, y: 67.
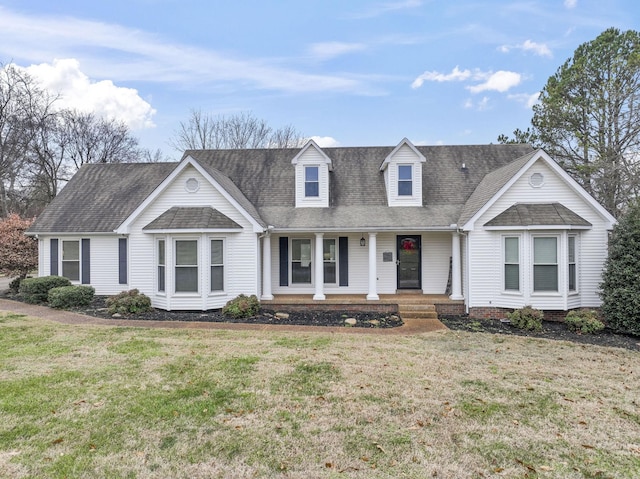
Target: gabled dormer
x: 403, y: 175
x: 312, y: 176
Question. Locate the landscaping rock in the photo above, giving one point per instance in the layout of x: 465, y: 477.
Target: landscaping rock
x: 351, y: 321
x: 282, y: 315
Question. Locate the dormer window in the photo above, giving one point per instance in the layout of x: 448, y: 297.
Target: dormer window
x: 311, y: 182
x: 405, y: 180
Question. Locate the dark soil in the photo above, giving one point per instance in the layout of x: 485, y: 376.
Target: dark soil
x: 99, y: 309
x: 550, y: 330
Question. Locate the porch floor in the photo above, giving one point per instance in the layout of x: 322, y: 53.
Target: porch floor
x: 354, y: 299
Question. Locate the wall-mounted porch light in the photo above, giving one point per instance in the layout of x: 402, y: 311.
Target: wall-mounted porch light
x: 363, y: 242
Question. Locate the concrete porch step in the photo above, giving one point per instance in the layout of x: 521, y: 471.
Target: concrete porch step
x: 417, y: 311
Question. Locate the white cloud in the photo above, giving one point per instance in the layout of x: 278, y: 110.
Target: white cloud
x: 104, y: 98
x: 499, y: 81
x: 329, y: 50
x: 570, y: 3
x: 140, y: 56
x: 325, y: 141
x: 539, y: 49
x: 481, y: 105
x: 455, y: 75
x: 525, y: 98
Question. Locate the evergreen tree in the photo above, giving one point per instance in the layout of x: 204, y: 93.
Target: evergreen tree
x: 620, y: 288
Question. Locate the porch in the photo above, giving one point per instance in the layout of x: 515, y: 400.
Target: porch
x: 406, y: 305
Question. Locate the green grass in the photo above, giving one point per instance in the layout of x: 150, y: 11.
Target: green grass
x: 101, y: 402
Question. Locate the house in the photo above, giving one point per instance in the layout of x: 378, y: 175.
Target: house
x: 493, y: 227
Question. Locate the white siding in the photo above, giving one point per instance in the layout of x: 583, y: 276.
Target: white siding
x: 436, y: 250
x: 404, y: 156
x: 485, y: 272
x: 312, y: 157
x: 240, y: 248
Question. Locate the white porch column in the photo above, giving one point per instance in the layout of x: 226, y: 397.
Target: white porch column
x: 456, y: 267
x: 266, y: 268
x: 319, y: 266
x: 373, y: 273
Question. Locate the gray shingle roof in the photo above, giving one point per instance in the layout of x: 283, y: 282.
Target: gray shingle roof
x: 100, y: 197
x: 203, y: 217
x: 534, y: 214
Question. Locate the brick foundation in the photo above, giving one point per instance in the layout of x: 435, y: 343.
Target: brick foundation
x: 501, y: 313
x: 365, y: 307
x: 450, y: 309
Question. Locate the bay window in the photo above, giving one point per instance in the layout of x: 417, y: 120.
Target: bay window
x: 545, y: 263
x: 571, y: 260
x: 512, y: 263
x: 161, y: 266
x: 217, y: 265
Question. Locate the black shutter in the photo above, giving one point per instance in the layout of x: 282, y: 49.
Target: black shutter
x: 343, y: 260
x: 53, y: 253
x: 122, y: 260
x: 86, y: 266
x: 284, y: 261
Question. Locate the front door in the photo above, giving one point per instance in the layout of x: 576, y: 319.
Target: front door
x: 409, y: 263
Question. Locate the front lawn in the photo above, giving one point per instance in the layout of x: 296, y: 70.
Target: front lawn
x: 108, y: 402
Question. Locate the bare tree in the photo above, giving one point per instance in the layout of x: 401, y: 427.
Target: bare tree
x: 92, y: 139
x: 243, y: 130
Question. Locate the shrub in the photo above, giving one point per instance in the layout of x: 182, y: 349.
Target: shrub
x: 584, y: 322
x: 36, y: 290
x: 242, y: 307
x: 527, y: 318
x: 129, y: 302
x: 66, y: 297
x: 620, y: 288
x: 14, y: 285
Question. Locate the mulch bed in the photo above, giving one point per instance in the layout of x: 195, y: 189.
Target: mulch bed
x: 550, y: 330
x: 355, y: 319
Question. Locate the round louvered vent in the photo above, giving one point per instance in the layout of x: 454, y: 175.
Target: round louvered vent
x: 536, y: 180
x: 192, y: 185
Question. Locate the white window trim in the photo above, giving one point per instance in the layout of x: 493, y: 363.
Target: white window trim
x: 559, y: 261
x: 304, y: 181
x: 198, y: 292
x: 503, y: 245
x: 225, y: 284
x: 413, y: 188
x: 61, y: 258
x: 335, y: 261
x: 157, y: 263
x: 576, y: 261
x: 313, y: 266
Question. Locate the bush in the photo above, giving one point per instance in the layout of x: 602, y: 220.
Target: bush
x: 129, y: 302
x: 14, y: 285
x: 36, y: 290
x: 527, y: 318
x: 584, y: 322
x: 242, y: 307
x: 620, y: 288
x: 66, y: 297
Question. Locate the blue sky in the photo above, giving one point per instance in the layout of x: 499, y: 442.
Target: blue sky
x: 347, y: 72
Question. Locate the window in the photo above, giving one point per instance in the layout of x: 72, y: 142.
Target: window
x: 311, y: 181
x: 186, y: 266
x: 71, y: 260
x: 512, y: 264
x: 405, y: 180
x: 545, y: 264
x: 161, y: 266
x: 571, y: 256
x: 217, y: 265
x: 329, y: 260
x: 301, y: 261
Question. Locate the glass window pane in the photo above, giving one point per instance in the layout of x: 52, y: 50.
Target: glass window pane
x: 329, y: 249
x: 511, y: 250
x: 572, y: 249
x: 312, y: 189
x: 329, y: 272
x: 186, y: 280
x: 512, y: 277
x: 161, y: 252
x: 545, y: 278
x: 300, y: 273
x: 216, y: 252
x: 311, y: 173
x: 160, y: 278
x: 545, y: 251
x: 187, y: 252
x: 217, y: 278
x: 71, y: 270
x: 572, y: 277
x: 301, y: 250
x: 70, y: 251
x: 405, y: 188
x: 404, y: 172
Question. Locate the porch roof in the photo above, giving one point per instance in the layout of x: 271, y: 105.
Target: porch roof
x: 204, y: 217
x: 538, y: 214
